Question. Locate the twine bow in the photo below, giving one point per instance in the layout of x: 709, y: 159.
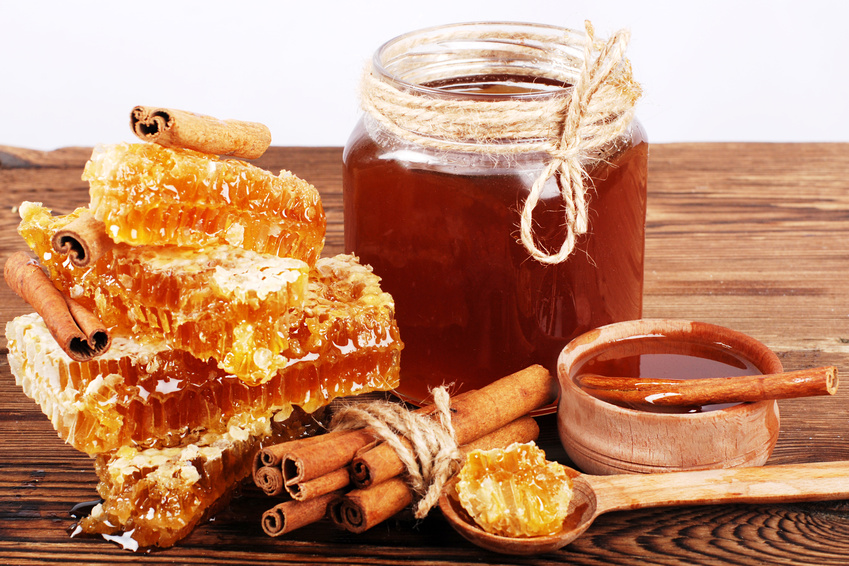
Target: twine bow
x: 434, y: 453
x: 573, y: 129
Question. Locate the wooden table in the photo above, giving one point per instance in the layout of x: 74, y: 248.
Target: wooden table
x: 750, y: 236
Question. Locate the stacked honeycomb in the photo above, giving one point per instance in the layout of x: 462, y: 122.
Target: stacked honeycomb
x: 224, y: 320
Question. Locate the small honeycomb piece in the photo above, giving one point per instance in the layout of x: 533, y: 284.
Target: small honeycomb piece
x: 150, y: 395
x: 138, y: 290
x: 148, y: 194
x: 514, y: 491
x: 155, y: 497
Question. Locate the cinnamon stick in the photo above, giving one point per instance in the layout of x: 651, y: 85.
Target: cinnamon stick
x: 642, y: 392
x: 361, y: 509
x: 290, y: 515
x: 308, y: 462
x: 76, y: 329
x: 169, y: 127
x: 84, y: 240
x: 496, y: 415
x: 522, y: 430
x: 334, y: 481
x: 267, y: 471
x: 270, y: 480
x: 477, y: 413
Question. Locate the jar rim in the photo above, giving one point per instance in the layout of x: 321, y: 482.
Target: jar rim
x: 547, y: 54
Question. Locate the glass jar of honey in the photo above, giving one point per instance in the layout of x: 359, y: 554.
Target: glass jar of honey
x: 497, y: 185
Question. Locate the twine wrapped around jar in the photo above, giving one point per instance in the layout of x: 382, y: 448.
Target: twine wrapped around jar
x: 574, y: 126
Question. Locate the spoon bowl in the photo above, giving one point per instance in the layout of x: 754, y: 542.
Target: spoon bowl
x: 582, y: 512
x: 594, y: 495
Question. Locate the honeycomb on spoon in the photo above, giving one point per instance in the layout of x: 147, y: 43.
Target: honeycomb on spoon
x: 150, y: 395
x: 514, y: 491
x: 343, y: 307
x: 149, y: 194
x: 155, y: 497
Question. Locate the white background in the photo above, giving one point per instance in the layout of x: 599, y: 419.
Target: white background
x: 719, y: 70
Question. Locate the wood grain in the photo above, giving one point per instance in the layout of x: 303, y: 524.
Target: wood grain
x: 750, y: 236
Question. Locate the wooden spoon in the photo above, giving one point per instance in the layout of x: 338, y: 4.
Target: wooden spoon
x: 594, y: 495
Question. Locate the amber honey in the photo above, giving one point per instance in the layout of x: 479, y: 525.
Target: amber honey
x: 442, y: 233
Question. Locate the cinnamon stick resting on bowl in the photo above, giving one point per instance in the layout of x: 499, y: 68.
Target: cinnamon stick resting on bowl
x: 639, y: 392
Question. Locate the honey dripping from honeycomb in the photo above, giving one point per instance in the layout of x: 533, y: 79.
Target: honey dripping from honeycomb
x: 230, y: 315
x: 514, y: 491
x: 150, y: 395
x: 148, y: 194
x: 155, y: 497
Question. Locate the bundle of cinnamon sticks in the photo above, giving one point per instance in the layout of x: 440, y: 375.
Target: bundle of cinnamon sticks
x: 358, y: 481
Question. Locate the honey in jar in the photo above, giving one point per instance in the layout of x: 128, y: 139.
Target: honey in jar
x: 441, y: 225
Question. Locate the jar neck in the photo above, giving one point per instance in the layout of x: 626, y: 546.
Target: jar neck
x: 572, y: 125
x: 483, y: 61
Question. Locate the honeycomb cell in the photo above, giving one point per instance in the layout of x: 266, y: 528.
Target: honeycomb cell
x: 249, y: 332
x: 151, y: 395
x: 151, y: 195
x: 514, y: 491
x: 155, y: 497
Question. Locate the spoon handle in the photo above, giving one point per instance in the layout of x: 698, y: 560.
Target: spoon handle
x: 769, y: 484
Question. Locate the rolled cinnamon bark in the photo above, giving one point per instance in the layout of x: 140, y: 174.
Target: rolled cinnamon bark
x: 310, y: 461
x: 77, y: 330
x: 522, y: 430
x: 267, y: 466
x: 290, y: 515
x: 359, y: 510
x: 169, y: 127
x: 270, y: 480
x: 646, y: 392
x: 475, y: 414
x: 84, y: 240
x: 319, y: 486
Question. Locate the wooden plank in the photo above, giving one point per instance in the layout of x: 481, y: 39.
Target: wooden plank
x: 750, y: 236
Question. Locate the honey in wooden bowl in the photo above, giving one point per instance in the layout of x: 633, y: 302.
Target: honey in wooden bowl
x: 604, y: 438
x: 658, y: 358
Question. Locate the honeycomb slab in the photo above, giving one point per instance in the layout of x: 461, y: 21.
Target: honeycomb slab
x: 148, y: 194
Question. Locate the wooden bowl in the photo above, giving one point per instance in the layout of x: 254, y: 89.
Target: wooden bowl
x: 602, y: 438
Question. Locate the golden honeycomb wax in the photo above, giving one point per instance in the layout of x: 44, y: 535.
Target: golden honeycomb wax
x: 514, y: 491
x: 255, y: 314
x: 149, y: 194
x: 155, y: 497
x: 151, y: 395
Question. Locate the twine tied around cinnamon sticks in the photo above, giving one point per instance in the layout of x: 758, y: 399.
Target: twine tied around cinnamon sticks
x: 431, y: 454
x: 574, y: 127
x: 358, y: 480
